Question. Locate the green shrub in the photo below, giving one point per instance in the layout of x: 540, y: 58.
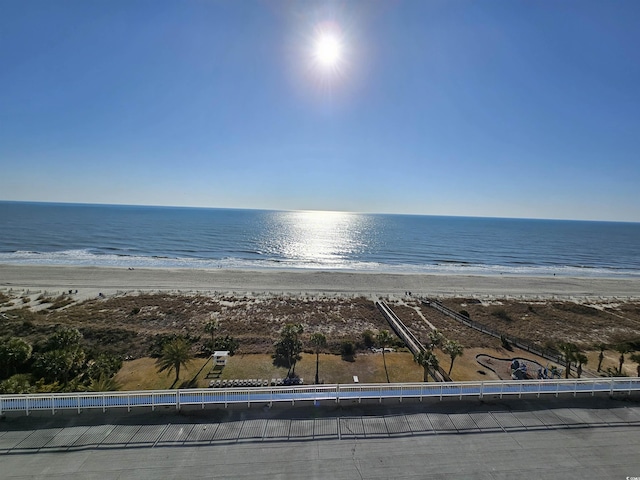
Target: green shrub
x: 502, y: 314
x: 347, y: 350
x: 368, y: 338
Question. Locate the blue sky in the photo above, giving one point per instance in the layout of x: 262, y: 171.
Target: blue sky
x: 492, y: 108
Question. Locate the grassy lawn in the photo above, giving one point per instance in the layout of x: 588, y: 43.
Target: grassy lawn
x: 141, y: 374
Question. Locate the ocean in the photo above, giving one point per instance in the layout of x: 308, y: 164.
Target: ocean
x: 176, y: 237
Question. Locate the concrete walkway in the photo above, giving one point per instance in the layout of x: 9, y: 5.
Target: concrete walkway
x: 557, y: 438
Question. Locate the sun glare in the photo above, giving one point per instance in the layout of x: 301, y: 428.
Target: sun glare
x: 328, y: 50
x: 328, y: 55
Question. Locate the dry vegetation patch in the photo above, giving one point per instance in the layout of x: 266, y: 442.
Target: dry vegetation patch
x: 130, y: 325
x: 451, y: 328
x: 546, y: 323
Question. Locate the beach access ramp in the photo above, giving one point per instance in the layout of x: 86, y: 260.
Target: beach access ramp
x: 408, y: 337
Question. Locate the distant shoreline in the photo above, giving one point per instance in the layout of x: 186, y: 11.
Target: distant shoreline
x: 89, y: 281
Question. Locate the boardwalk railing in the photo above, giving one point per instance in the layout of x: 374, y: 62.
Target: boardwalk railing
x: 410, y: 340
x: 176, y: 399
x: 518, y: 342
x: 400, y: 328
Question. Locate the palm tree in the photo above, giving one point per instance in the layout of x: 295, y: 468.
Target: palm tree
x: 13, y: 353
x: 319, y: 341
x: 211, y: 327
x: 436, y: 338
x: 602, y: 347
x: 104, y: 383
x: 428, y: 361
x: 289, y: 347
x: 569, y: 351
x: 636, y: 358
x: 384, y: 340
x: 175, y: 353
x: 454, y: 349
x: 622, y: 349
x: 581, y: 359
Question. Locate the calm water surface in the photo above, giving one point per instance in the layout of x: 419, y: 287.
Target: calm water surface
x: 132, y: 236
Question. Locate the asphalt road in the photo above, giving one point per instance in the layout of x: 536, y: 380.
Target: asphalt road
x: 555, y: 438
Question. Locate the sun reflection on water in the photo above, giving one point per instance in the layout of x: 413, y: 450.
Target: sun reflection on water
x: 316, y: 238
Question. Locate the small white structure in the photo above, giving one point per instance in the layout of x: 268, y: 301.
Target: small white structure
x: 220, y: 358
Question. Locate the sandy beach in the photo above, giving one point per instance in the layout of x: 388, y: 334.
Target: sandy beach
x: 90, y: 281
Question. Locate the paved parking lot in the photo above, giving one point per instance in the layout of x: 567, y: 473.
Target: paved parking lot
x: 571, y: 438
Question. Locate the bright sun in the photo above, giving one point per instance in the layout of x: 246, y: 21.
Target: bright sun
x: 328, y: 50
x: 328, y: 55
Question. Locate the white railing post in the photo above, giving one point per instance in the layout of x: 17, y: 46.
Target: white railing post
x: 612, y: 383
x: 178, y: 400
x: 520, y: 392
x: 78, y: 398
x: 575, y: 388
x: 481, y: 390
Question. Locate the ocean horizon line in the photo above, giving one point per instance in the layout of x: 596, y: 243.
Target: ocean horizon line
x: 293, y: 210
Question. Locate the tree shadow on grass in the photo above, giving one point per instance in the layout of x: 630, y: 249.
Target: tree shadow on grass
x: 280, y: 362
x: 193, y: 382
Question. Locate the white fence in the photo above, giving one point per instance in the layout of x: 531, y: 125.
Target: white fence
x: 311, y: 393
